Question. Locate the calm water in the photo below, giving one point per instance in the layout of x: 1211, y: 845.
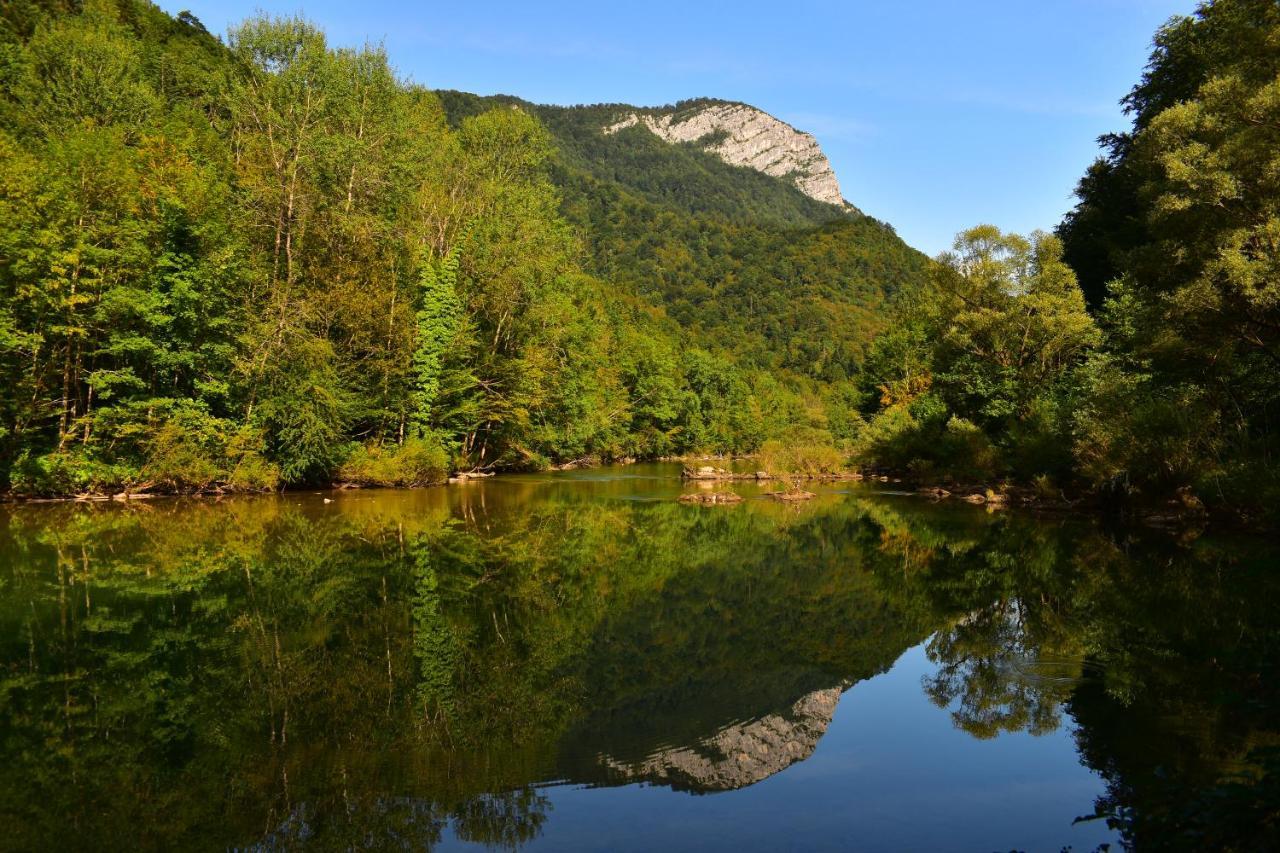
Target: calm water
x: 577, y: 662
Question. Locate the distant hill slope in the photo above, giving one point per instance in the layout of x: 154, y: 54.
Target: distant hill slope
x: 741, y: 135
x: 684, y: 177
x: 745, y: 260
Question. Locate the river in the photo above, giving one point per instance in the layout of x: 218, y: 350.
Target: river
x: 575, y: 661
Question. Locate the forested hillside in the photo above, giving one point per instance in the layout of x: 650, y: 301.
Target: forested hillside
x: 684, y: 178
x: 804, y: 300
x: 745, y: 261
x: 263, y: 261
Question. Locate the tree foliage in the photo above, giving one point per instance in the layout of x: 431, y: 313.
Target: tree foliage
x: 1176, y: 234
x: 1170, y: 386
x: 975, y: 376
x: 273, y: 256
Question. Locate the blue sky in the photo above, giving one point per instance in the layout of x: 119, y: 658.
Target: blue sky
x: 936, y: 115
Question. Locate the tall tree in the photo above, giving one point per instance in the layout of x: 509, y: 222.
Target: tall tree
x: 1184, y: 215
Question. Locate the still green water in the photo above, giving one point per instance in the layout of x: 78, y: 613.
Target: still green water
x: 577, y: 662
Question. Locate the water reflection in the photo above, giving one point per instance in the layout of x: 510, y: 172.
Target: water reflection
x: 395, y: 668
x: 737, y: 755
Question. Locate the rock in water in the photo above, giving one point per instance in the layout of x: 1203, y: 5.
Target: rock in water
x: 710, y: 498
x: 797, y: 495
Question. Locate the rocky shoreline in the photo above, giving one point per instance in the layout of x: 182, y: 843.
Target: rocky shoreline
x: 708, y: 473
x: 1183, y: 511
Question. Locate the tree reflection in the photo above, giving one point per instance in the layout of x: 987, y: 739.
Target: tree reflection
x: 995, y: 675
x: 502, y: 820
x: 435, y: 648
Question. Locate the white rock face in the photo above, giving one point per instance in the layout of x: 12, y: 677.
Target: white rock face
x: 751, y: 138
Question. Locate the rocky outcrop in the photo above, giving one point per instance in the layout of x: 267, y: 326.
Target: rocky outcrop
x: 708, y: 472
x: 745, y: 136
x: 741, y: 754
x: 791, y: 495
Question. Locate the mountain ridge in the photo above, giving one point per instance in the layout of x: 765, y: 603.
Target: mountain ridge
x: 744, y: 135
x: 681, y: 174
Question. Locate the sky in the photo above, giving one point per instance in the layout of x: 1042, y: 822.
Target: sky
x: 936, y: 115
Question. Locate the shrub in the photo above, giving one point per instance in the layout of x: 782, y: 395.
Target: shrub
x: 193, y: 451
x: 928, y: 446
x: 416, y: 462
x: 254, y: 473
x: 1133, y: 436
x: 965, y: 452
x: 892, y: 438
x: 1044, y: 487
x: 809, y: 455
x: 1040, y: 440
x: 186, y: 453
x: 250, y: 470
x: 69, y: 473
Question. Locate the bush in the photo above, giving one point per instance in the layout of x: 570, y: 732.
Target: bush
x: 915, y: 438
x: 1040, y: 441
x: 806, y: 456
x: 186, y: 453
x: 193, y: 451
x: 1247, y: 489
x: 69, y: 473
x: 1133, y: 436
x: 250, y: 470
x: 182, y: 449
x: 254, y: 473
x: 965, y: 452
x: 417, y: 462
x: 892, y: 439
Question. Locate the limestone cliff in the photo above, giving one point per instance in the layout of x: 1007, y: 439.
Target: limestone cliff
x: 745, y: 136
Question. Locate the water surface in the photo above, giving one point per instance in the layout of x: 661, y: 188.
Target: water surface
x: 575, y: 661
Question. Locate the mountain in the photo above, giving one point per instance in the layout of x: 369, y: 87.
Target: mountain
x: 730, y: 220
x: 692, y: 176
x: 740, y: 754
x: 742, y: 135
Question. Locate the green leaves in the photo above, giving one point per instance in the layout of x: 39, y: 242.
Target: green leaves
x: 970, y: 379
x: 84, y: 71
x: 438, y: 317
x: 1195, y: 312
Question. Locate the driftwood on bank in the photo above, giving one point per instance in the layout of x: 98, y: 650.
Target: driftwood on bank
x: 464, y: 476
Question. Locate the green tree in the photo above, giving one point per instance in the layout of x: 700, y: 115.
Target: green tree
x: 1183, y: 216
x: 976, y: 376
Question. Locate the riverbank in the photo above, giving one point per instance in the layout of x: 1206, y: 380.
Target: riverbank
x: 1181, y: 512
